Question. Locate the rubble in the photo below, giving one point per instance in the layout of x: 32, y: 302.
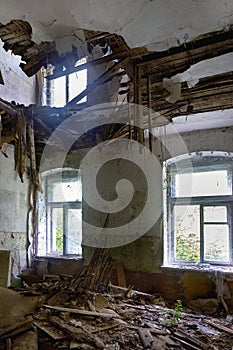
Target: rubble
x: 114, y: 318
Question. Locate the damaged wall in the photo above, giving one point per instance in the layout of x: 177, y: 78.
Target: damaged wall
x: 13, y: 209
x: 142, y: 259
x: 13, y: 194
x: 17, y: 86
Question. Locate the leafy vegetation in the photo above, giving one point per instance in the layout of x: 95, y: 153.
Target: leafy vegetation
x: 187, y: 246
x: 178, y: 309
x: 59, y: 230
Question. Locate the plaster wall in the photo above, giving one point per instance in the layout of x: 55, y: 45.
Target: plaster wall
x: 13, y: 210
x: 13, y: 194
x: 146, y: 253
x: 143, y: 258
x: 156, y: 24
x: 17, y: 86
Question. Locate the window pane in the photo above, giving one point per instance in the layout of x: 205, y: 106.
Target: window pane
x: 59, y: 92
x: 187, y: 232
x: 74, y: 232
x: 215, y: 214
x: 205, y: 183
x: 77, y: 83
x: 216, y: 242
x: 57, y: 230
x: 65, y: 192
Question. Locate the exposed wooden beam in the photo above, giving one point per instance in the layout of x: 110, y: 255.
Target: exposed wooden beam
x: 178, y: 59
x: 7, y: 107
x: 210, y: 94
x: 86, y: 65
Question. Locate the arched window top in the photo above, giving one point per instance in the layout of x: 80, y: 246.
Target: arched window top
x: 200, y: 174
x: 63, y: 185
x: 198, y: 158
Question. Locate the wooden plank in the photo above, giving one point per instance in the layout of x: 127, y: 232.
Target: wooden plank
x: 103, y: 329
x: 17, y: 331
x: 191, y: 339
x: 83, y: 312
x: 185, y: 343
x: 49, y: 329
x: 149, y: 114
x: 146, y: 338
x: 16, y: 325
x: 88, y: 64
x: 27, y: 341
x: 219, y: 326
x: 78, y: 333
x: 91, y: 306
x: 121, y: 274
x: 178, y: 59
x: 8, y: 344
x: 5, y: 271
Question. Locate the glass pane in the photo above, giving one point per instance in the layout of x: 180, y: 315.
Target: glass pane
x: 216, y: 242
x: 66, y: 192
x: 74, y: 232
x: 215, y: 214
x: 59, y: 92
x: 77, y: 83
x: 187, y: 232
x: 205, y: 183
x: 57, y: 230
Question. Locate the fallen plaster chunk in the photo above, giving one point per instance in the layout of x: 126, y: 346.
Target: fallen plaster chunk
x: 14, y: 306
x: 174, y: 88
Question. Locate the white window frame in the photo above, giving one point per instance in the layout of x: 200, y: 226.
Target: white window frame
x: 200, y: 162
x: 45, y: 213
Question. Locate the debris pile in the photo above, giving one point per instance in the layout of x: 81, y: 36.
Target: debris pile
x: 87, y: 312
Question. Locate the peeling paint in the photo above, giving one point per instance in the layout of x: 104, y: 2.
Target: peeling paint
x: 156, y: 24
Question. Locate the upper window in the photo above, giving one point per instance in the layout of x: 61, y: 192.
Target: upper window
x: 198, y: 207
x: 60, y: 224
x: 59, y: 91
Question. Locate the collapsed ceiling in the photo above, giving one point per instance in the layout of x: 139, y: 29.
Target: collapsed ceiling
x: 156, y: 24
x: 155, y: 77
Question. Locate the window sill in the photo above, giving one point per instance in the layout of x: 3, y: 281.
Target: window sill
x: 59, y: 257
x: 200, y: 267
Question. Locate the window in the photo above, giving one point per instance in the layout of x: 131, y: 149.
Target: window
x: 59, y: 91
x: 199, y: 200
x: 60, y: 224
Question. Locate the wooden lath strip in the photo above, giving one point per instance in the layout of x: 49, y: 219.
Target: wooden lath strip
x: 177, y: 60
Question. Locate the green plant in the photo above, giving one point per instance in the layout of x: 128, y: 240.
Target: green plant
x: 178, y: 309
x: 187, y: 245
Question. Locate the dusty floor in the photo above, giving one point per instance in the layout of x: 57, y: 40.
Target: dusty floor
x: 120, y: 319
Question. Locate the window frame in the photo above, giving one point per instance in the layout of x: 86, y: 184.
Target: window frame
x: 65, y: 205
x: 199, y: 164
x: 48, y: 88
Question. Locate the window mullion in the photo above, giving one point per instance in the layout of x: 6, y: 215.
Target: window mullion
x: 201, y: 234
x: 172, y: 253
x: 67, y: 89
x: 65, y: 229
x: 229, y: 221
